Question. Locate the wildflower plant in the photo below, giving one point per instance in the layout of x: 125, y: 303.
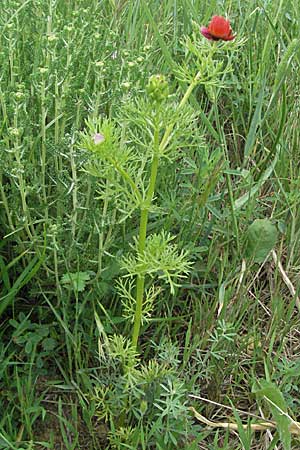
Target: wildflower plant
x: 218, y: 29
x: 133, y: 396
x: 126, y: 158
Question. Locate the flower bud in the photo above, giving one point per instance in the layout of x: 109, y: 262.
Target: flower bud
x: 143, y: 407
x: 157, y: 88
x: 98, y: 138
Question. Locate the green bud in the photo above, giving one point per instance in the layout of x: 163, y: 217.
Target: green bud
x: 157, y: 88
x: 143, y: 407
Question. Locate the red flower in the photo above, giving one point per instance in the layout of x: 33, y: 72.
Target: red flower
x: 218, y: 28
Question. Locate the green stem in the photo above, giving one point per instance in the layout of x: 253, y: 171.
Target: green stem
x: 184, y: 100
x: 141, y: 247
x: 158, y: 148
x: 126, y: 177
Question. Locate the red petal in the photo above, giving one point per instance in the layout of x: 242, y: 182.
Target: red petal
x: 220, y: 28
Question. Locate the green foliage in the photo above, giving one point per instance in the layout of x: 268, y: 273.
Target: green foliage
x: 271, y: 393
x: 161, y: 258
x: 261, y: 239
x: 244, y: 435
x: 134, y: 397
x: 286, y: 376
x: 31, y: 336
x: 285, y: 63
x: 76, y: 281
x: 79, y: 135
x: 10, y: 292
x: 125, y: 288
x: 209, y: 61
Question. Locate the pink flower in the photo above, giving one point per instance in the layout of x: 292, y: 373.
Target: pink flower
x: 98, y: 138
x: 218, y: 29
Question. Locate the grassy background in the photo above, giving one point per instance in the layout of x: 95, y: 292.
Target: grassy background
x: 233, y: 322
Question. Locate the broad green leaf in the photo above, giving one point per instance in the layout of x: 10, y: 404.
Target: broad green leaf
x: 76, y: 280
x: 261, y: 237
x: 28, y: 347
x: 49, y: 344
x: 270, y: 392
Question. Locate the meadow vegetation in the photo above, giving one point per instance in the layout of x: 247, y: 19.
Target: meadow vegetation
x: 149, y: 212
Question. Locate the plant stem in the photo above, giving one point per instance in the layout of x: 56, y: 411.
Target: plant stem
x: 184, y: 100
x: 158, y: 149
x: 141, y: 247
